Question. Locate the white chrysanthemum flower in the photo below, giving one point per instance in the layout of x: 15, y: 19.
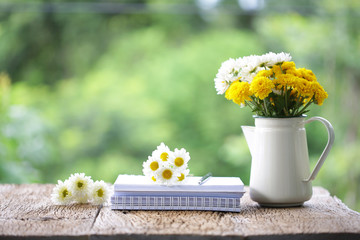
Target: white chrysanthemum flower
x: 227, y: 73
x: 269, y: 59
x: 229, y: 70
x: 162, y: 152
x: 183, y: 176
x: 281, y: 57
x: 248, y: 76
x: 167, y: 176
x: 240, y: 63
x: 221, y: 85
x: 246, y: 68
x: 61, y: 193
x: 100, y: 192
x: 252, y: 67
x: 249, y: 72
x: 255, y: 64
x: 151, y: 166
x: 80, y: 186
x: 180, y: 158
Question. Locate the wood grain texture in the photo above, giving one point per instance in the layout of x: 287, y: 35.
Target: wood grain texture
x: 27, y: 212
x: 320, y: 216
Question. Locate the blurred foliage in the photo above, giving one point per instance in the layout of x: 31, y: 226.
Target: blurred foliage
x: 96, y: 91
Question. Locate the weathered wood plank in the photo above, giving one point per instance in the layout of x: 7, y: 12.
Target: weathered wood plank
x: 26, y: 210
x: 322, y: 217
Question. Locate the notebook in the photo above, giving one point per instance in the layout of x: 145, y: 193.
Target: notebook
x: 132, y: 192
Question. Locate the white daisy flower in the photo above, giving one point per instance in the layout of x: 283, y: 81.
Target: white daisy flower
x: 100, y: 192
x: 61, y: 193
x: 80, y: 186
x: 151, y: 166
x: 183, y: 176
x: 180, y: 158
x: 167, y: 176
x: 162, y: 152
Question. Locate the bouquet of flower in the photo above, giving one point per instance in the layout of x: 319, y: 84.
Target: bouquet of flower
x: 270, y: 85
x: 80, y: 189
x: 167, y: 167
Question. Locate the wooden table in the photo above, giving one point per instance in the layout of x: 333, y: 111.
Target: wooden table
x: 27, y: 212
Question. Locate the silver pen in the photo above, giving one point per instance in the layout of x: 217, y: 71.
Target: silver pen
x: 205, y: 178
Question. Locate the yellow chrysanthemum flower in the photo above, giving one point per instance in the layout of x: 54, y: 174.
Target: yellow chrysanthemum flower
x: 276, y: 70
x: 285, y: 80
x: 304, y: 87
x: 239, y: 92
x: 306, y: 74
x: 261, y: 87
x: 293, y: 72
x: 288, y: 66
x: 320, y: 94
x: 265, y: 73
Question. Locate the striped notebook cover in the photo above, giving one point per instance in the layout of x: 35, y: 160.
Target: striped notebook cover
x: 175, y: 203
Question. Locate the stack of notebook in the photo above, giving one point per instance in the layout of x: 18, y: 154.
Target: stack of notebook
x: 216, y: 194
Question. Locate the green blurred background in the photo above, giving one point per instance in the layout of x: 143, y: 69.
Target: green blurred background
x: 95, y: 86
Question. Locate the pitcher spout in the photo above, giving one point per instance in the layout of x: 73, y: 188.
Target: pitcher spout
x: 249, y: 133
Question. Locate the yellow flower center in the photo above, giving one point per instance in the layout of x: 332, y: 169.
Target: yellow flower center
x: 80, y: 184
x: 100, y: 192
x: 179, y: 161
x: 167, y: 174
x: 65, y: 193
x: 153, y: 178
x: 164, y: 156
x: 154, y: 166
x: 182, y: 177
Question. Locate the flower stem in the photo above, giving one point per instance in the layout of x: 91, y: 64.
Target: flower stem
x: 304, y: 108
x: 286, y: 100
x: 268, y: 103
x: 266, y: 110
x: 297, y: 104
x: 247, y: 103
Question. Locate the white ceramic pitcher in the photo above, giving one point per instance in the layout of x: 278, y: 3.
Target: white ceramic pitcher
x: 280, y: 172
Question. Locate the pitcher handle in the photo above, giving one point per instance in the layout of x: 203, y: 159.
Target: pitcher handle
x: 331, y: 138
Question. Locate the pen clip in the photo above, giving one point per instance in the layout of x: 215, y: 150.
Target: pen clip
x: 205, y: 178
